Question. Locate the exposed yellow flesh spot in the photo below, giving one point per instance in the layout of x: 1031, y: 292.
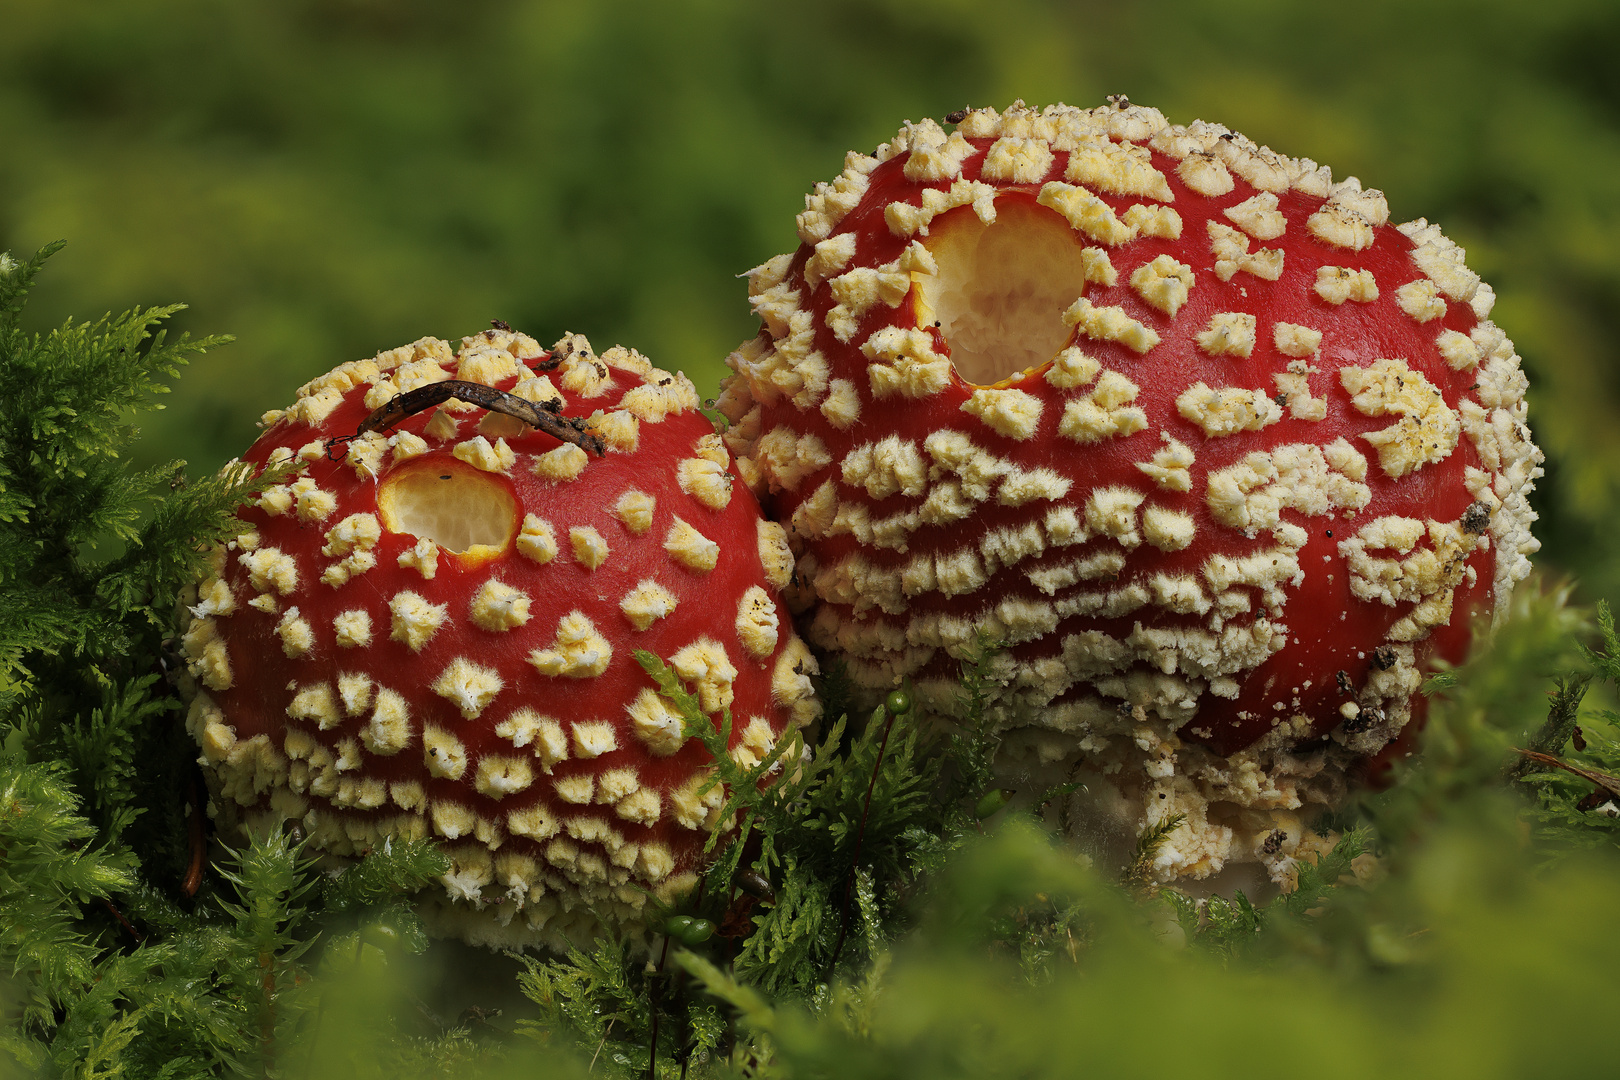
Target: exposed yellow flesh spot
x: 450, y: 503
x: 999, y: 292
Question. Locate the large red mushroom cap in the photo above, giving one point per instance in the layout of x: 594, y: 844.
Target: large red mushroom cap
x: 1219, y: 454
x: 432, y: 633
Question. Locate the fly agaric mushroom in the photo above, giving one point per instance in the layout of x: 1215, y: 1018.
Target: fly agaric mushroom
x: 433, y: 635
x: 1219, y: 455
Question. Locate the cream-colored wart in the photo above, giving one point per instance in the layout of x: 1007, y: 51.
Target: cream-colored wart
x: 355, y: 688
x: 1164, y: 283
x: 297, y: 636
x: 538, y: 540
x: 1230, y: 333
x: 1427, y: 430
x: 704, y: 664
x: 414, y: 620
x: 1228, y: 410
x: 691, y: 548
x: 316, y: 704
x: 635, y: 510
x: 590, y: 548
x: 497, y: 606
x: 647, y: 603
x: 1172, y: 465
x: 656, y: 723
x: 1106, y: 411
x: 1421, y: 300
x: 389, y: 730
x: 1000, y: 289
x: 481, y: 454
x: 775, y: 554
x: 500, y: 775
x: 443, y: 754
x: 1336, y: 284
x: 468, y: 686
x: 352, y: 629
x: 1112, y: 512
x: 594, y: 738
x: 208, y: 658
x: 756, y: 623
x: 579, y: 651
x: 705, y: 480
x: 423, y: 557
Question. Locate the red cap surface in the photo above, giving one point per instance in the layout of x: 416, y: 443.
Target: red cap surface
x: 1219, y: 454
x: 433, y: 635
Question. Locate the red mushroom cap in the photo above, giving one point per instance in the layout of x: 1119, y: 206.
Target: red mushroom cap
x: 433, y: 635
x: 1219, y: 454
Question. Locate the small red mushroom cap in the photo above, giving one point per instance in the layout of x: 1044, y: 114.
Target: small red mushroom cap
x: 1219, y: 454
x: 433, y: 634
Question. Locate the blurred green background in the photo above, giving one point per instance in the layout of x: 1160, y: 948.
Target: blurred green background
x: 325, y: 178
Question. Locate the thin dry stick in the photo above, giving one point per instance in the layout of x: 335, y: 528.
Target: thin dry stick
x: 592, y: 1066
x: 564, y: 428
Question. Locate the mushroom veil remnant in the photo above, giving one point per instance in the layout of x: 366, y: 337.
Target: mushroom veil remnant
x: 430, y: 630
x: 1221, y: 456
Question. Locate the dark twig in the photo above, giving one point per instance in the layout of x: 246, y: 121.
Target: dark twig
x: 1608, y: 783
x: 125, y: 923
x: 570, y: 429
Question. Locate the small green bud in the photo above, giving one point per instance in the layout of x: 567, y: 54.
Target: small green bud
x: 991, y: 801
x: 898, y: 702
x: 382, y: 935
x: 679, y: 926
x: 696, y: 932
